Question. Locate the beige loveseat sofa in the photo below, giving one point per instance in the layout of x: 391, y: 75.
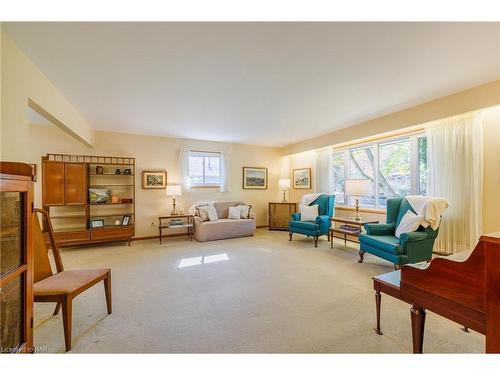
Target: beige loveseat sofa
x: 223, y: 227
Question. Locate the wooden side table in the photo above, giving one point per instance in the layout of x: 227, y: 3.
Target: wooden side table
x: 188, y: 224
x: 350, y: 227
x: 280, y: 213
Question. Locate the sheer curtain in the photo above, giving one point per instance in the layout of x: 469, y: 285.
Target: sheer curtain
x: 324, y: 171
x: 184, y: 168
x: 225, y: 172
x: 455, y: 159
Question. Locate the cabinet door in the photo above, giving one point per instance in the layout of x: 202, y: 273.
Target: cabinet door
x: 76, y: 183
x: 16, y: 254
x: 53, y: 183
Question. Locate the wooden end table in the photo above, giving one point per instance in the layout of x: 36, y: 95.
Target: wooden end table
x: 342, y: 233
x: 188, y: 224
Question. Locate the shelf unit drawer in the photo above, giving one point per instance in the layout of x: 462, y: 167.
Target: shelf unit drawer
x: 111, y: 233
x: 72, y: 236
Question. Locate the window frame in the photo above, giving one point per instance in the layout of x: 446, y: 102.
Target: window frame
x: 414, y: 166
x: 204, y: 154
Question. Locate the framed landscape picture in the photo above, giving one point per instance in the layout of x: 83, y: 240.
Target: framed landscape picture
x: 154, y: 179
x: 302, y: 178
x: 254, y: 178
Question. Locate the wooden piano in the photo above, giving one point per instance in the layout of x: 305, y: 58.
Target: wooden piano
x: 466, y: 292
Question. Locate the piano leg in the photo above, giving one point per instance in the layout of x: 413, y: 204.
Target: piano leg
x: 378, y: 300
x: 417, y: 328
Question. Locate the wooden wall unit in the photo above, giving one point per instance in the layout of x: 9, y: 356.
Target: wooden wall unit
x: 280, y: 213
x: 65, y: 195
x: 16, y: 257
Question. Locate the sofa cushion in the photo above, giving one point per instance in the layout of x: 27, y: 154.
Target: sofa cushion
x: 389, y: 244
x: 223, y: 228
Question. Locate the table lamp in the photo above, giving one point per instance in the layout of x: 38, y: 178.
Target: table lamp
x: 284, y: 183
x: 173, y: 191
x: 357, y: 189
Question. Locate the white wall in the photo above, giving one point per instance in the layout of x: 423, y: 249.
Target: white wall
x: 21, y: 82
x: 162, y: 153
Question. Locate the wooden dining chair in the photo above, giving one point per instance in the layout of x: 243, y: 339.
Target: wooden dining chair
x: 63, y: 286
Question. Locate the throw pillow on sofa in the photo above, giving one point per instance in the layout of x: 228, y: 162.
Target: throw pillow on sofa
x: 409, y: 223
x: 202, y: 212
x: 234, y: 213
x: 212, y: 213
x: 245, y: 211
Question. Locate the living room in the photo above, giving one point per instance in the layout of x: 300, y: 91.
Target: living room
x: 250, y: 187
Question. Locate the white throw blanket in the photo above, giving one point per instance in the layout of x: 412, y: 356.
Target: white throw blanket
x: 307, y: 199
x: 431, y: 208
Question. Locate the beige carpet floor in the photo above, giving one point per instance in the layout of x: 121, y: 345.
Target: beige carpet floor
x: 261, y: 294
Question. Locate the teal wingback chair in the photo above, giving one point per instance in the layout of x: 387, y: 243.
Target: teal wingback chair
x: 411, y: 247
x: 318, y: 227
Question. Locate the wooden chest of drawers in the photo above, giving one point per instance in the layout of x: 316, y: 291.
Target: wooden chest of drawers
x: 280, y: 213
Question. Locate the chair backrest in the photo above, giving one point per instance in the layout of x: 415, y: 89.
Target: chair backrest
x: 42, y: 268
x: 326, y: 204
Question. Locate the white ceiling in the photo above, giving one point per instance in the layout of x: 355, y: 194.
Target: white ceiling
x: 258, y: 83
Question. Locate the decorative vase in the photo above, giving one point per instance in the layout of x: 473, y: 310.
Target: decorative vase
x: 99, y: 170
x: 114, y: 198
x: 118, y: 171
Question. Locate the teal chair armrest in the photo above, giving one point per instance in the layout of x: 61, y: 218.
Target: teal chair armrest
x: 412, y: 237
x: 296, y: 216
x: 379, y: 229
x: 322, y: 219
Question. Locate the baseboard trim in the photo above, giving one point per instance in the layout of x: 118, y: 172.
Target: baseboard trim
x: 157, y: 237
x: 262, y: 226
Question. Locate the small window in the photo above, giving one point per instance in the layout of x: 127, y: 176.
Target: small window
x: 204, y: 168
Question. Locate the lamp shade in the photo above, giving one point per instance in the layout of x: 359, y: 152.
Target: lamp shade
x: 284, y: 183
x: 174, y: 190
x: 357, y: 188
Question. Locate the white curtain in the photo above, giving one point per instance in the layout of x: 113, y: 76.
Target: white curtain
x: 184, y: 168
x: 455, y: 160
x: 225, y: 172
x: 324, y: 170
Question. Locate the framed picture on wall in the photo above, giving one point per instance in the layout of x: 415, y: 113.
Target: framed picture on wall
x: 254, y: 178
x: 302, y: 178
x: 154, y: 179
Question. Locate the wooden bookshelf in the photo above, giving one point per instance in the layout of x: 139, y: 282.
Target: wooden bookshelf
x: 65, y: 195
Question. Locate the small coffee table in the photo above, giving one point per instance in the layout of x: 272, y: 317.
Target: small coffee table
x: 354, y: 230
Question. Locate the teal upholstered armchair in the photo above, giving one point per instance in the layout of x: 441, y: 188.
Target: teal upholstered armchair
x: 318, y: 227
x: 411, y: 247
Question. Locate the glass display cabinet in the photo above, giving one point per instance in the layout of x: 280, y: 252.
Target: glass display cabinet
x: 16, y: 257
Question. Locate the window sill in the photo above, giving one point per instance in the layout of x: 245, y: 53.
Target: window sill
x: 362, y: 209
x: 205, y: 186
